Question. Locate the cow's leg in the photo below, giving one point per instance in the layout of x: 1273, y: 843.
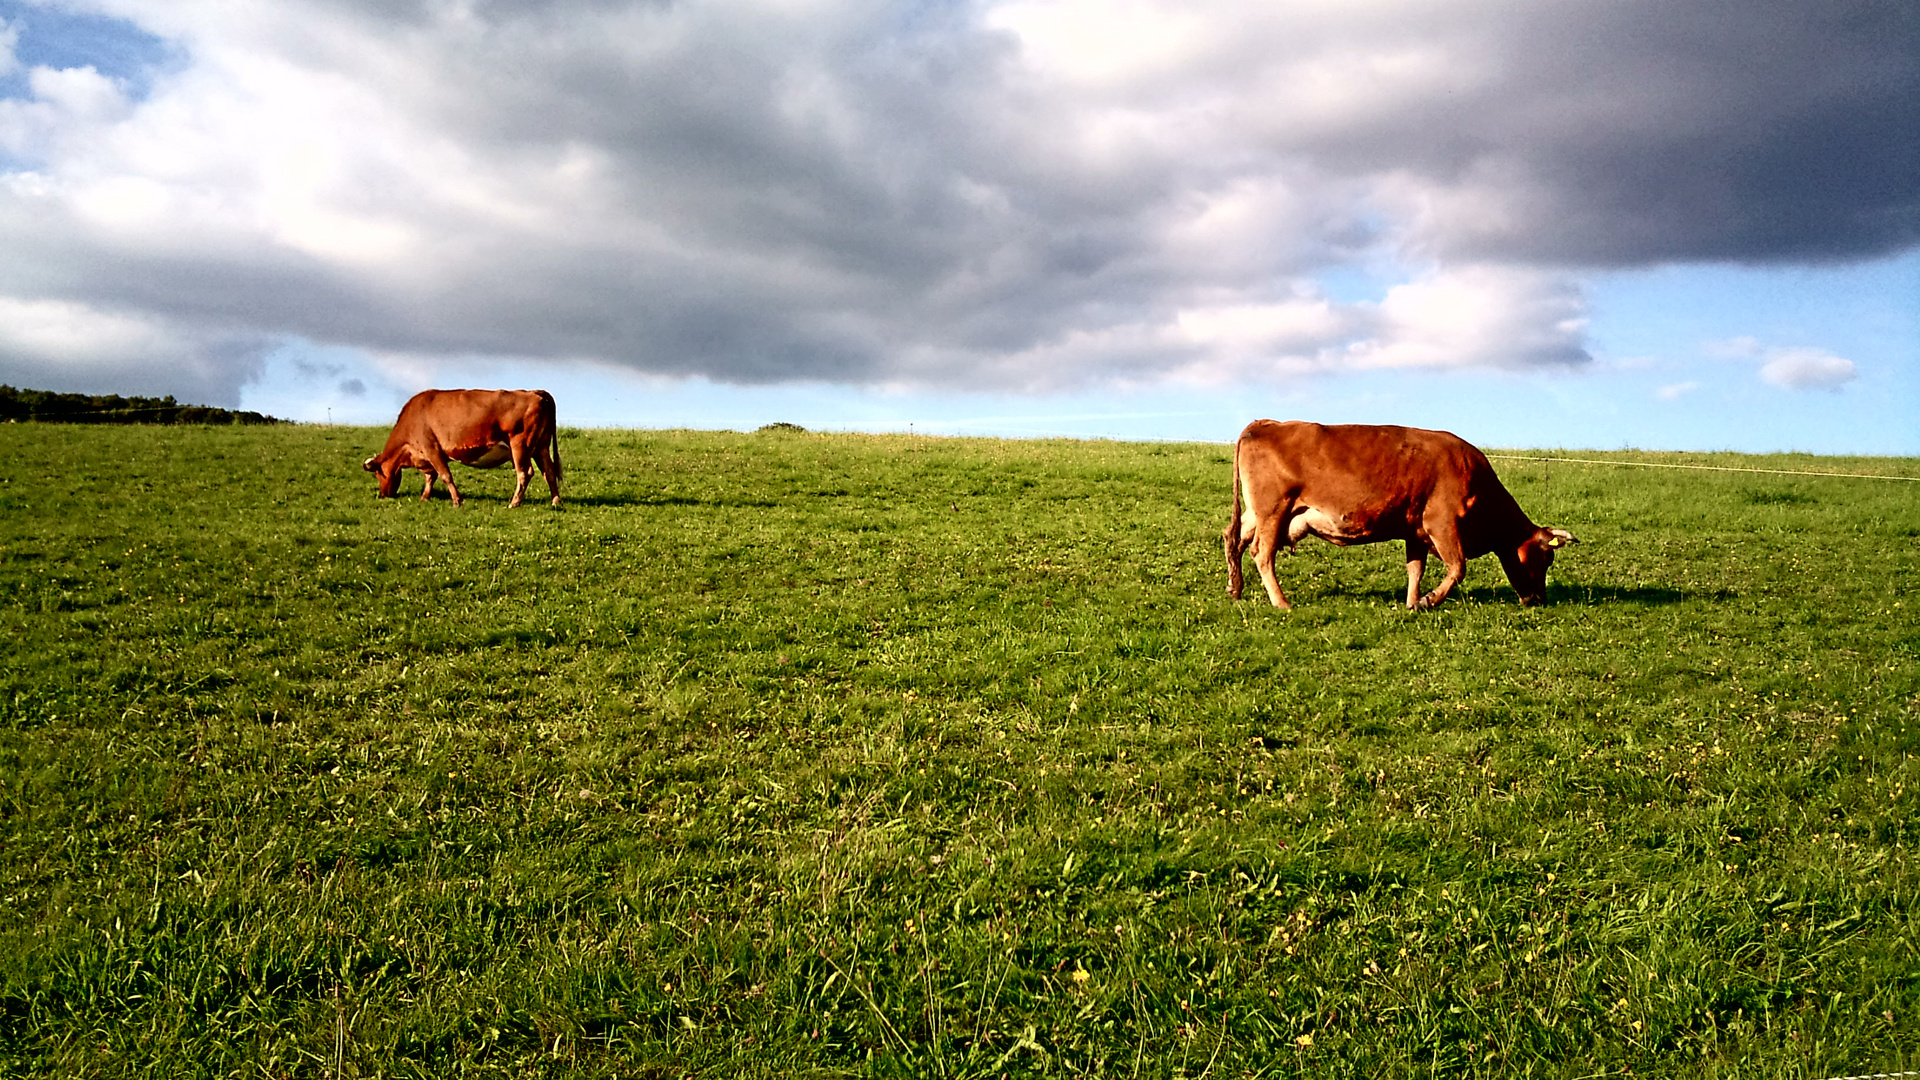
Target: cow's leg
x: 521, y: 467
x: 427, y: 491
x: 1266, y: 545
x: 438, y: 466
x: 1445, y: 541
x: 1416, y: 567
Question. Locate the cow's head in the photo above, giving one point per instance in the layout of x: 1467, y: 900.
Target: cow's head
x: 388, y: 470
x: 1527, y: 566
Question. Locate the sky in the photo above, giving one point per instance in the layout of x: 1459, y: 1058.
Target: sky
x: 1664, y: 224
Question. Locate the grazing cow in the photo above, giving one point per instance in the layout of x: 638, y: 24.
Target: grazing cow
x: 481, y: 428
x: 1361, y: 484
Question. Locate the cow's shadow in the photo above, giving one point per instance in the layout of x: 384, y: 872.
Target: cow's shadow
x: 604, y: 500
x: 539, y: 496
x: 616, y: 499
x: 480, y: 498
x: 663, y: 500
x: 1563, y: 595
x: 1643, y: 595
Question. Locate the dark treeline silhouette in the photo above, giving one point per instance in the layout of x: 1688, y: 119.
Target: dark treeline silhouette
x: 48, y: 407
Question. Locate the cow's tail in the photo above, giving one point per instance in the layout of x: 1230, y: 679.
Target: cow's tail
x: 552, y: 414
x: 1231, y: 538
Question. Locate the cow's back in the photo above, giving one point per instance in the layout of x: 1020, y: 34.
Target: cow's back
x: 459, y: 420
x: 1354, y: 469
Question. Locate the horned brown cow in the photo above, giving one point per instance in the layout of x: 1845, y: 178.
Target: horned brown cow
x: 481, y: 428
x: 1362, y: 484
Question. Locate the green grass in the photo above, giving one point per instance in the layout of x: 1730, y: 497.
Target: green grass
x: 789, y: 754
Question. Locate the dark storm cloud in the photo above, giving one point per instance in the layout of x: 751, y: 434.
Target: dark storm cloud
x: 1650, y: 132
x: 1015, y: 194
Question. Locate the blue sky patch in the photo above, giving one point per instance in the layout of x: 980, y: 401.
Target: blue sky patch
x: 50, y: 37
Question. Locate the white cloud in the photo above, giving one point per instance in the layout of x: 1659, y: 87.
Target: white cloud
x: 1799, y: 367
x: 997, y: 193
x: 1479, y: 316
x: 9, y: 41
x: 1107, y: 43
x: 1735, y: 348
x: 1676, y: 391
x: 69, y: 333
x: 73, y: 346
x: 1305, y: 323
x: 81, y: 93
x: 1807, y: 369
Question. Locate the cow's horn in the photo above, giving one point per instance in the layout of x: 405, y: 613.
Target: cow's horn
x: 367, y: 464
x: 1557, y: 537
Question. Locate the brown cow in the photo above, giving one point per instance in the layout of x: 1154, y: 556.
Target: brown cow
x: 481, y: 428
x: 1361, y: 484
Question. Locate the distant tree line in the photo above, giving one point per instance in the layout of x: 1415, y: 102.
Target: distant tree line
x: 49, y: 407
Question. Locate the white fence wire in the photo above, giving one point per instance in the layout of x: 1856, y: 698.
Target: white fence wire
x: 1708, y: 468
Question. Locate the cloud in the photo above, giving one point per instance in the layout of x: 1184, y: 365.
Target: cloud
x: 1807, y: 369
x: 73, y: 333
x: 1676, y: 391
x: 1479, y: 316
x: 1798, y: 367
x: 9, y: 41
x: 1735, y: 348
x: 1017, y: 194
x: 58, y: 344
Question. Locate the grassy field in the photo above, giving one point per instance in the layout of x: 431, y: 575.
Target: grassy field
x: 786, y: 754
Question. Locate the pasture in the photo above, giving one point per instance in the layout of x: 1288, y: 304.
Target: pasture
x: 785, y: 754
